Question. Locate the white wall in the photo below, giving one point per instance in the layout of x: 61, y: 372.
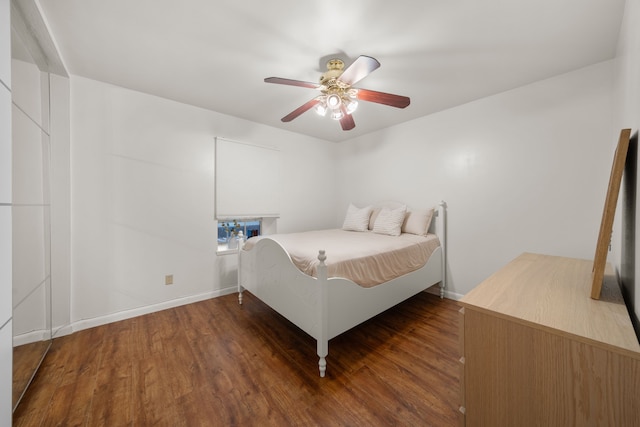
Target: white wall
x: 524, y: 170
x: 627, y: 108
x: 6, y: 326
x: 142, y: 198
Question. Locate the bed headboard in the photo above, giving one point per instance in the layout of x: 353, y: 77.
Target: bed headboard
x: 438, y: 227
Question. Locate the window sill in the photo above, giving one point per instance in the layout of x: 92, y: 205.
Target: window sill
x: 223, y: 249
x: 227, y: 251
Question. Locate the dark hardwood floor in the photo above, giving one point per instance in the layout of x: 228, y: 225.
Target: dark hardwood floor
x: 215, y: 363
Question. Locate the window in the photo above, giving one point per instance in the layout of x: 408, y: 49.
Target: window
x: 247, y: 180
x: 247, y: 188
x: 233, y: 231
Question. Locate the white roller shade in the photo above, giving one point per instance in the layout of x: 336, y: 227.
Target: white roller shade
x: 247, y: 180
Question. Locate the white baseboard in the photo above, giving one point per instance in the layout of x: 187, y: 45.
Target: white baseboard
x: 79, y: 325
x: 30, y: 337
x: 453, y: 295
x: 435, y: 290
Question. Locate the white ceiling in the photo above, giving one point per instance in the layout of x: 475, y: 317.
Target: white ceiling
x: 215, y: 54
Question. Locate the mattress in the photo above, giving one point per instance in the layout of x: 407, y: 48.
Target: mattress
x: 365, y: 258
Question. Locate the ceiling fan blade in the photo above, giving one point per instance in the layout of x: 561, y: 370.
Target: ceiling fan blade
x: 383, y: 98
x: 347, y: 121
x: 360, y: 69
x: 281, y: 81
x: 301, y: 109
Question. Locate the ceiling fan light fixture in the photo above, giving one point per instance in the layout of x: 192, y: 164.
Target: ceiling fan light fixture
x: 321, y: 108
x: 337, y: 114
x: 337, y: 102
x: 334, y: 101
x: 351, y: 105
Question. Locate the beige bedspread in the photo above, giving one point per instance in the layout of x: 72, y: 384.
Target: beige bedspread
x: 365, y: 258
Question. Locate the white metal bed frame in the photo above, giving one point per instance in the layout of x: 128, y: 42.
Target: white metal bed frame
x: 326, y: 307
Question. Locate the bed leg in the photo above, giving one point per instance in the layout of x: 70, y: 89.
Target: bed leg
x: 240, y: 289
x: 443, y: 242
x: 323, y: 351
x: 322, y: 364
x: 323, y: 313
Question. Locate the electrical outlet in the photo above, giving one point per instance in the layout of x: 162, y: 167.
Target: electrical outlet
x: 168, y: 279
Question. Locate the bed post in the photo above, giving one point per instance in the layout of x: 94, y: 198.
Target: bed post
x: 239, y: 279
x: 323, y: 314
x: 443, y: 244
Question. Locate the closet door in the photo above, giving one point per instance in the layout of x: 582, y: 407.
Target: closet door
x: 31, y: 213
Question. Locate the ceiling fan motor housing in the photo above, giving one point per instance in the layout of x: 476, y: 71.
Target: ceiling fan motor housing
x: 335, y: 67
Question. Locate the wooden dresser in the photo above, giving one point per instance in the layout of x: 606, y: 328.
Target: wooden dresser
x: 538, y: 351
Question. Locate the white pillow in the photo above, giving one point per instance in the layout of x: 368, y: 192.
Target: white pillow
x: 357, y: 219
x: 417, y: 222
x: 389, y: 221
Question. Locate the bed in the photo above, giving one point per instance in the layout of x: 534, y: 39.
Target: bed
x: 327, y: 299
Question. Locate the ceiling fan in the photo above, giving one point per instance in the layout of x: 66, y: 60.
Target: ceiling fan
x: 338, y: 96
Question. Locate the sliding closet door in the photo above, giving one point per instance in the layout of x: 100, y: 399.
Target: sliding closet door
x: 6, y: 324
x: 31, y: 216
